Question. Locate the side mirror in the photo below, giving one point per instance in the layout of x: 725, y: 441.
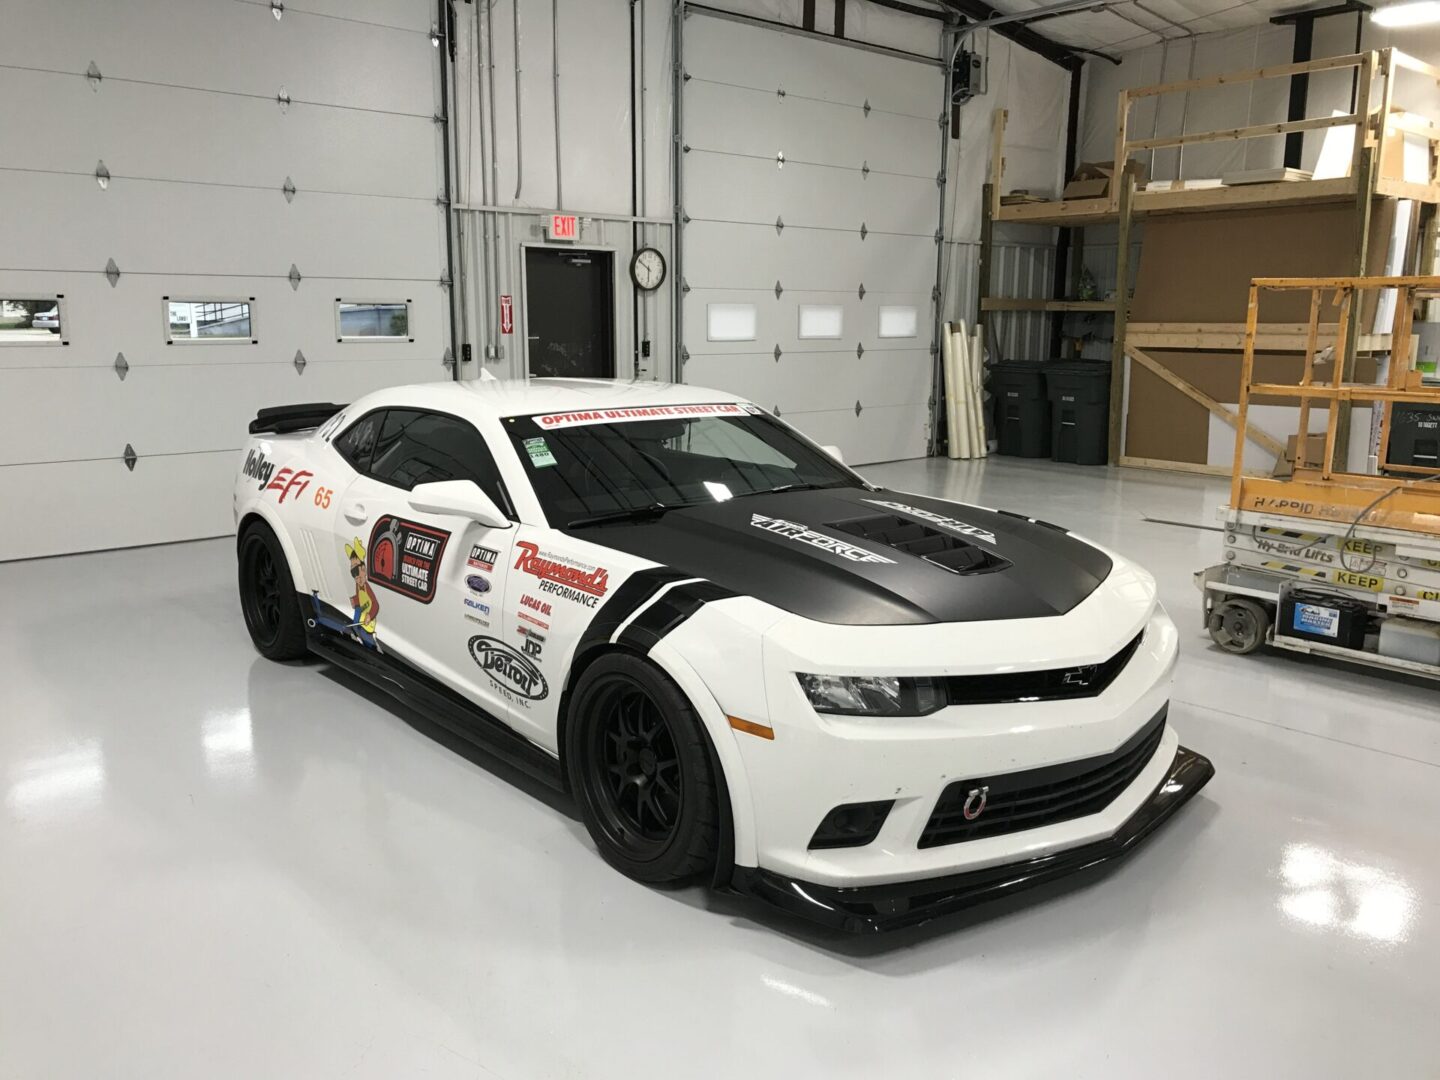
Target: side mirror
x: 458, y: 498
x: 834, y: 451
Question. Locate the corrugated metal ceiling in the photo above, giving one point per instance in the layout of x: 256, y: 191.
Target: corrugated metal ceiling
x: 1135, y: 23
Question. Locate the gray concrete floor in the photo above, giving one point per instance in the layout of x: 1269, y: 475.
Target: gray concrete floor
x: 215, y: 866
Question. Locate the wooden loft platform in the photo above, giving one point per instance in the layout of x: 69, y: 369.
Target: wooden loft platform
x: 1373, y: 103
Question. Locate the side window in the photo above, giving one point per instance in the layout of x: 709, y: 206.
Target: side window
x: 419, y: 448
x: 356, y: 445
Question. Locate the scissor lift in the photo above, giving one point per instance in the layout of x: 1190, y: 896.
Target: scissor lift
x: 1369, y: 541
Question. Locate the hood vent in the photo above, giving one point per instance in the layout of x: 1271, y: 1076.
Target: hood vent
x: 915, y: 538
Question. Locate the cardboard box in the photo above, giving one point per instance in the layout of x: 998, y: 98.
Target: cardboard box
x: 1092, y: 179
x: 1314, y: 455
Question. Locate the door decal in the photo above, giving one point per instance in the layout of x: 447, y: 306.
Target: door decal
x: 405, y: 557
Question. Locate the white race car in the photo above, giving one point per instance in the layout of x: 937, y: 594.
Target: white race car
x: 746, y: 663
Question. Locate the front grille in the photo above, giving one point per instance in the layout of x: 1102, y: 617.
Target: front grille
x: 1054, y: 684
x: 1038, y: 797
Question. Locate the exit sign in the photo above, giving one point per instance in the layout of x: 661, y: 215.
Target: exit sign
x: 564, y: 227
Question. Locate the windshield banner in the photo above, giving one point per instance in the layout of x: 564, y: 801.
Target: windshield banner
x: 554, y: 421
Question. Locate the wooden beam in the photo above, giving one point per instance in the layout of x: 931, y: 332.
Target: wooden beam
x: 1255, y: 131
x: 1173, y: 466
x: 1255, y: 435
x: 1126, y: 183
x: 1276, y: 71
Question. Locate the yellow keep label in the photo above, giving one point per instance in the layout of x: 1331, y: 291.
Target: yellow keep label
x: 1360, y: 547
x: 1359, y: 581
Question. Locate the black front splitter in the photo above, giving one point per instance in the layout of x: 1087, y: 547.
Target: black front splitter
x: 873, y: 908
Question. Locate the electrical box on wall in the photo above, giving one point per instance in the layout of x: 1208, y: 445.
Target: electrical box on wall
x: 969, y: 77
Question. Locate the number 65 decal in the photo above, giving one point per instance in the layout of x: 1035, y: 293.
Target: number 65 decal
x: 322, y: 497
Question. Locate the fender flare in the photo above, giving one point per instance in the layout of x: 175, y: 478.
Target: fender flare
x: 270, y: 517
x: 722, y: 738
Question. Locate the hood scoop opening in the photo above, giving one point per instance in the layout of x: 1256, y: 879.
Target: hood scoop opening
x: 944, y: 550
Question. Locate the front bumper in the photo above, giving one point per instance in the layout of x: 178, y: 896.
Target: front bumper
x: 873, y: 908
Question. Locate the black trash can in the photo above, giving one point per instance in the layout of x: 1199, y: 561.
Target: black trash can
x: 1079, y: 412
x: 1415, y: 435
x: 1022, y: 411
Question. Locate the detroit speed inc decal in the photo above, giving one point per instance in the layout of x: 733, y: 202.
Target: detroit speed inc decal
x: 513, y: 672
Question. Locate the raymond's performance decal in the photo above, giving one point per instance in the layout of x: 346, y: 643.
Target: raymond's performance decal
x: 514, y: 673
x: 561, y: 575
x: 555, y: 421
x: 405, y: 557
x: 793, y: 530
x: 937, y: 519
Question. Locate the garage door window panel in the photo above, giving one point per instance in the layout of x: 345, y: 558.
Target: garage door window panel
x: 372, y: 320
x: 32, y: 319
x: 821, y: 322
x: 210, y: 321
x: 415, y: 447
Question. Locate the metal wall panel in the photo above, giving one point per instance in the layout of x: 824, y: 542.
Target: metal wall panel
x: 813, y: 166
x: 189, y: 116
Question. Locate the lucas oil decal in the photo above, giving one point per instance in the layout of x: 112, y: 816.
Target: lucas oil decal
x: 405, y: 557
x: 937, y: 519
x: 554, y: 421
x: 514, y: 673
x: 793, y: 530
x: 563, y: 576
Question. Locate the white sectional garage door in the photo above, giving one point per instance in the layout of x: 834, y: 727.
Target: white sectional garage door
x: 811, y: 192
x: 186, y: 105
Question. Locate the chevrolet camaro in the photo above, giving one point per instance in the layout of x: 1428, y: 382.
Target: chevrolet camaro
x: 747, y: 664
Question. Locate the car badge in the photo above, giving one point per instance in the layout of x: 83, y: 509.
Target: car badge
x: 1080, y: 676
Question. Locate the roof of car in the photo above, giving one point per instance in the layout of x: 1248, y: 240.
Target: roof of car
x: 523, y: 397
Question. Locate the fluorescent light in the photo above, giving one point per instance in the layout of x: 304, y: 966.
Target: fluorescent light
x: 1414, y: 13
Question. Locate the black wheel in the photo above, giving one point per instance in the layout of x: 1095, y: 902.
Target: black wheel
x: 267, y: 597
x: 637, y: 760
x: 1239, y: 625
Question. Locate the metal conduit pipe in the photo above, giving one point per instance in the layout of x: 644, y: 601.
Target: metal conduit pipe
x: 555, y: 95
x: 519, y: 146
x: 492, y: 253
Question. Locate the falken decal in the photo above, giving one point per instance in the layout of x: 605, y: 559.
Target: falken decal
x: 513, y: 672
x: 582, y: 418
x: 405, y: 557
x: 793, y: 530
x: 563, y: 576
x: 937, y: 519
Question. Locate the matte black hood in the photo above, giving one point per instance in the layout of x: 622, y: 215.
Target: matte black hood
x: 858, y: 557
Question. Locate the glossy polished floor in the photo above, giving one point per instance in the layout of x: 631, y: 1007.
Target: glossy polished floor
x: 215, y: 866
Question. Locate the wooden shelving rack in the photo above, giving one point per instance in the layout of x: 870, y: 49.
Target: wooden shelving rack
x: 1374, y: 118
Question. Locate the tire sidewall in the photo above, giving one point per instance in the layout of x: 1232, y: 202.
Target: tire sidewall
x: 289, y: 640
x: 689, y: 851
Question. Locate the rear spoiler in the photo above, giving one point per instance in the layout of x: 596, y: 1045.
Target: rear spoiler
x: 283, y: 419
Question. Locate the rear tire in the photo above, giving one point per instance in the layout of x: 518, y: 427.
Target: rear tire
x: 267, y: 596
x: 639, y: 766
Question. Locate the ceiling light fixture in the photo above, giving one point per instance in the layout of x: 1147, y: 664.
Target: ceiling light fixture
x: 1413, y: 13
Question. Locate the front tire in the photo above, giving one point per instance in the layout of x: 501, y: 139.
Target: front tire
x: 639, y: 767
x: 267, y: 596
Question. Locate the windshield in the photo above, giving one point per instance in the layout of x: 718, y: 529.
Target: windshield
x: 612, y: 462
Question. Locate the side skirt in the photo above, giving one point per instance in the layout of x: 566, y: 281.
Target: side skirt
x: 438, y: 702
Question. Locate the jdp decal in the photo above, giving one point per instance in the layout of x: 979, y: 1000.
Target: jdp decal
x: 513, y: 672
x: 482, y: 558
x: 477, y: 584
x: 793, y: 530
x: 937, y: 519
x: 562, y: 576
x: 405, y: 557
x: 554, y: 421
x: 534, y: 641
x: 287, y: 481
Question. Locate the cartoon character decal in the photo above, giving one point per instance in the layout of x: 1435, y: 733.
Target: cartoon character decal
x: 364, y: 602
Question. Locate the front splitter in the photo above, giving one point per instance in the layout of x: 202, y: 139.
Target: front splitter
x: 875, y: 908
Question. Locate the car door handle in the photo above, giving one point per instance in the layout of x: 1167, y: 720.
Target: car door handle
x: 355, y: 513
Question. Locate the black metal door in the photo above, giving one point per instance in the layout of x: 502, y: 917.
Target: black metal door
x: 569, y: 312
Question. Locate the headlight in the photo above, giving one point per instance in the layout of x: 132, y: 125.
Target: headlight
x: 873, y: 695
